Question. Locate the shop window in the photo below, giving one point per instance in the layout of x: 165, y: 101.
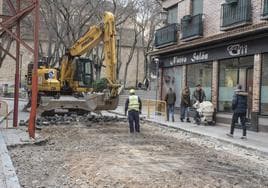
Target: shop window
x: 264, y: 86
x: 200, y: 74
x: 172, y: 78
x: 232, y: 72
x: 227, y: 81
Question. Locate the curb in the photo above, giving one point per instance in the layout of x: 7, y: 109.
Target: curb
x: 10, y: 177
x: 203, y: 135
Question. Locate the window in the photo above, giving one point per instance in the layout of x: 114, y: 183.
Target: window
x: 200, y: 74
x: 197, y: 7
x: 264, y: 86
x: 227, y: 81
x: 173, y: 15
x: 232, y: 72
x: 172, y: 78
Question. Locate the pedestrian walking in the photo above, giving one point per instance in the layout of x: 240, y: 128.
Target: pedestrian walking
x: 133, y: 107
x: 198, y: 97
x: 170, y: 99
x: 239, y: 107
x: 185, y: 104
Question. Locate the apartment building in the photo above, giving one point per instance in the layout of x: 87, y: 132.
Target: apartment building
x: 217, y: 43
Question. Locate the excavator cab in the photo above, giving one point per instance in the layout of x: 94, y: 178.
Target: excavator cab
x: 84, y: 72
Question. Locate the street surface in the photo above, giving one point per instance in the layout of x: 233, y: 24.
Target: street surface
x: 105, y: 155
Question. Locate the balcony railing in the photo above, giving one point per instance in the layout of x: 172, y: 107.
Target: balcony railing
x: 265, y: 8
x: 166, y: 35
x: 192, y: 26
x: 235, y: 14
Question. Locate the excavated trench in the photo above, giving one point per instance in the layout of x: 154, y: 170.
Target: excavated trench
x: 100, y: 153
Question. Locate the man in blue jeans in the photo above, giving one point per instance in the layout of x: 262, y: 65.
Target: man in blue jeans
x: 170, y: 100
x: 133, y: 108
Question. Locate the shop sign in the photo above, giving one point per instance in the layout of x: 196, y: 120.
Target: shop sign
x: 199, y: 56
x: 179, y: 60
x: 222, y: 52
x: 237, y: 49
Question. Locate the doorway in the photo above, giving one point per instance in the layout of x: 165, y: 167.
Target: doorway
x: 246, y: 80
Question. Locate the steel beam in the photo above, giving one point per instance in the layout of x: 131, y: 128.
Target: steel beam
x: 31, y: 127
x: 17, y: 77
x: 11, y: 21
x: 17, y: 39
x: 7, y: 52
x: 7, y: 24
x: 11, y: 6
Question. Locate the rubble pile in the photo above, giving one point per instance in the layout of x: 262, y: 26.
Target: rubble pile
x: 73, y: 119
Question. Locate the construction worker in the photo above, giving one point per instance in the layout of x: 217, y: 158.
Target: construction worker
x: 133, y: 107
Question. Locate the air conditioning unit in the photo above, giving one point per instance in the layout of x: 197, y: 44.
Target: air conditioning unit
x: 231, y: 1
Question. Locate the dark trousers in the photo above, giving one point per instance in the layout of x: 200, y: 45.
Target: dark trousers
x: 184, y: 110
x: 133, y: 118
x: 242, y: 117
x: 170, y: 111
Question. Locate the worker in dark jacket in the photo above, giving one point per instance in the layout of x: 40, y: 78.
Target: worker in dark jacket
x: 170, y: 99
x: 199, y: 94
x: 133, y: 107
x: 239, y: 106
x: 198, y: 97
x: 185, y: 103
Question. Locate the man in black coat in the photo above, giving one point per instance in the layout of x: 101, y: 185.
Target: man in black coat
x: 239, y: 106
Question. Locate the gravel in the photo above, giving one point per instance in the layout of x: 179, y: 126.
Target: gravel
x: 104, y: 154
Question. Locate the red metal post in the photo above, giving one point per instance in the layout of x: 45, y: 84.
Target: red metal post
x: 16, y: 88
x: 31, y: 127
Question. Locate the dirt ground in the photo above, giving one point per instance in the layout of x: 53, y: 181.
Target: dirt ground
x: 106, y: 155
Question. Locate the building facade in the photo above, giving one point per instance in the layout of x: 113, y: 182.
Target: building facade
x: 217, y: 44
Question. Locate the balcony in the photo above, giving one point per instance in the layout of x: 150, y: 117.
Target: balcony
x: 235, y: 14
x: 192, y: 27
x: 265, y: 9
x: 167, y: 35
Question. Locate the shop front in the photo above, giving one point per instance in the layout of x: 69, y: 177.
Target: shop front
x: 219, y: 68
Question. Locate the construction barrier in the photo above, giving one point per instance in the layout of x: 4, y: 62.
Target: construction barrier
x: 154, y: 109
x: 4, y: 112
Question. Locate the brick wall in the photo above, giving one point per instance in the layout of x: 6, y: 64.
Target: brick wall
x: 212, y: 14
x: 183, y: 9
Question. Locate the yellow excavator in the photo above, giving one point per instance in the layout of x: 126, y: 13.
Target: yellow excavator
x: 71, y: 87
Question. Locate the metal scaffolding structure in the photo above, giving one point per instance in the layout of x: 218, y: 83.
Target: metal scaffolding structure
x: 8, y: 24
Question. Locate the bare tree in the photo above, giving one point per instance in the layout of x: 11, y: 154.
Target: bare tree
x: 137, y: 33
x: 149, y: 16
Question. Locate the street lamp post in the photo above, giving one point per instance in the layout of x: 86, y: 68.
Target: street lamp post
x: 156, y: 61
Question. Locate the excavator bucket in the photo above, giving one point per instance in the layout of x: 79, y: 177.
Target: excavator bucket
x: 79, y: 105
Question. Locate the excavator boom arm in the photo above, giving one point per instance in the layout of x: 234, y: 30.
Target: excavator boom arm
x: 106, y: 33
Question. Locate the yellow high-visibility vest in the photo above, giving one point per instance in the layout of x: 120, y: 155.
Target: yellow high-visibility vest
x: 133, y: 103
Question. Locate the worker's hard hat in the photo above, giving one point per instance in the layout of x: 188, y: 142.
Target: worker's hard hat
x: 132, y: 91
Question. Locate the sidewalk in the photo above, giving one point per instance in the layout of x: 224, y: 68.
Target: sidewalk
x: 256, y: 140
x: 10, y: 136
